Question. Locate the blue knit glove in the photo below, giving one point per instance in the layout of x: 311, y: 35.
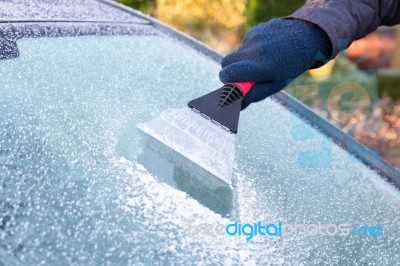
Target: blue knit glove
x: 274, y: 53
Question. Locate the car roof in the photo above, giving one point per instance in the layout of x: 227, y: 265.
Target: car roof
x: 107, y: 11
x: 64, y: 10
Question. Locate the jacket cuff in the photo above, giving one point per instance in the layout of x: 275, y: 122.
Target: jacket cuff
x: 327, y: 22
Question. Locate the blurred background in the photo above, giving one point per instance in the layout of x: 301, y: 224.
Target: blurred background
x: 223, y: 23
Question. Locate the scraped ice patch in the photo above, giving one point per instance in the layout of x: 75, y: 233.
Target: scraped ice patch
x: 161, y: 197
x: 166, y: 214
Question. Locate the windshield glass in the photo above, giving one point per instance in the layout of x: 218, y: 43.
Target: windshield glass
x: 77, y: 183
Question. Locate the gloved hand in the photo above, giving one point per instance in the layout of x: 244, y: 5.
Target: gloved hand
x: 274, y: 53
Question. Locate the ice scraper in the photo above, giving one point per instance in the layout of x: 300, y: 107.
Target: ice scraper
x: 205, y: 132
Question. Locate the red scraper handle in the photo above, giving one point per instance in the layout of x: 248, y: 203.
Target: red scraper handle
x: 245, y: 86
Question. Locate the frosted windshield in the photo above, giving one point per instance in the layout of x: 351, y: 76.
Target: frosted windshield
x: 75, y: 187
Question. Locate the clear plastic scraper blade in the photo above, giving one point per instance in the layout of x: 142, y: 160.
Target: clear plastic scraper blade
x: 197, y: 138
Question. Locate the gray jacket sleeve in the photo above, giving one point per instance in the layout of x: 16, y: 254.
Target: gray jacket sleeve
x: 349, y: 19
